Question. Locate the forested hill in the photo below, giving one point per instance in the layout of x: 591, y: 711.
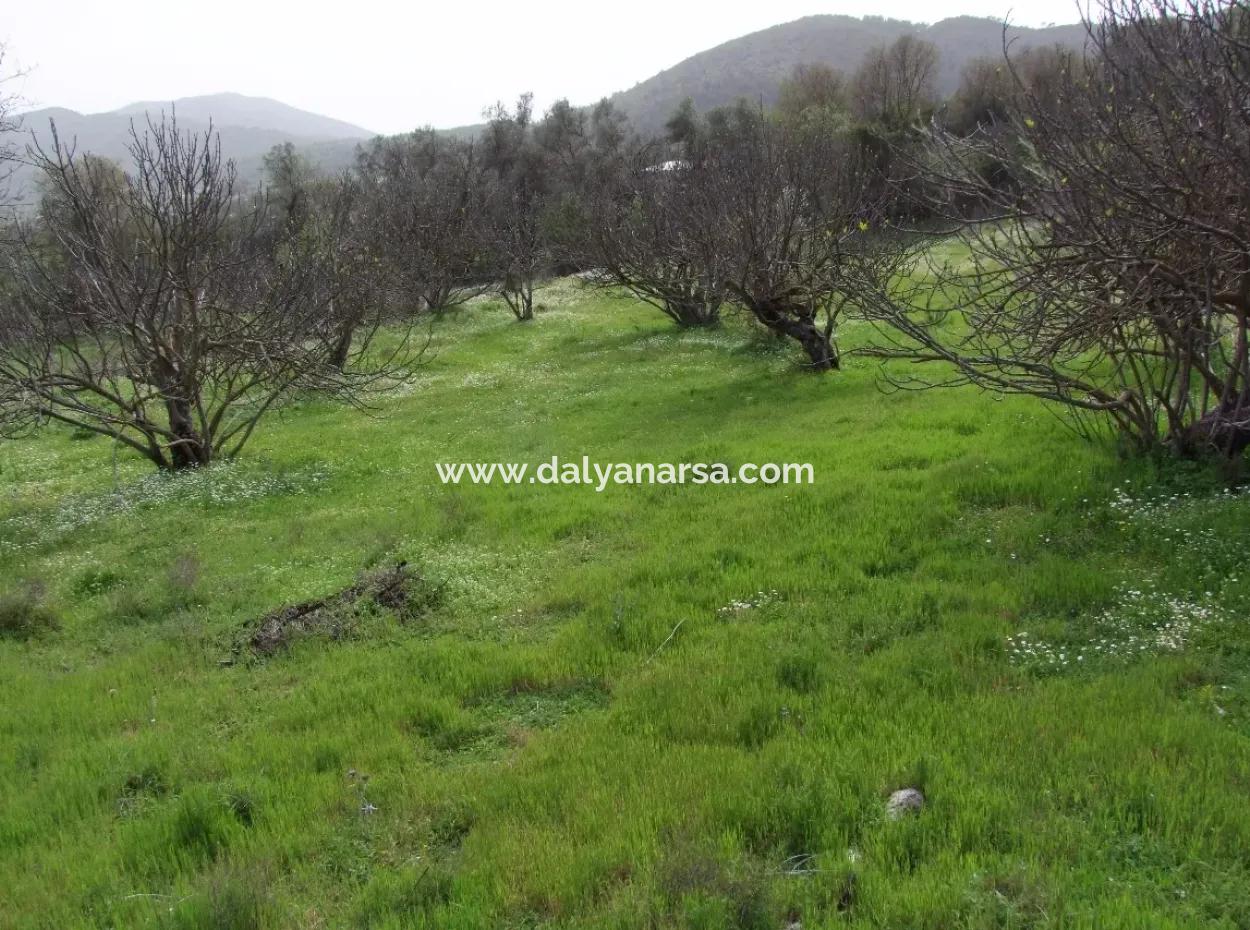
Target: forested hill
x: 754, y: 65
x: 751, y: 66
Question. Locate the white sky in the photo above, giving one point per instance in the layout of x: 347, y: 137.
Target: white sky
x: 393, y: 66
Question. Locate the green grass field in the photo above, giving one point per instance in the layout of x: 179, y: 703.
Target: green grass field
x: 1047, y: 640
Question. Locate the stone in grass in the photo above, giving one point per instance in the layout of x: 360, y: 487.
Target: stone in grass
x: 904, y: 801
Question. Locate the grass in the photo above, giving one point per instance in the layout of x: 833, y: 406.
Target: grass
x: 650, y: 707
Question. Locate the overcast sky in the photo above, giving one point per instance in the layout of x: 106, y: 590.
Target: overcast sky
x: 393, y: 66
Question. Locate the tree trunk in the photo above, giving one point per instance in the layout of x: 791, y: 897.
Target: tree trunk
x: 519, y: 295
x: 342, y: 347
x: 817, y: 343
x: 437, y: 298
x: 693, y: 313
x: 819, y: 348
x: 187, y: 449
x: 1226, y: 429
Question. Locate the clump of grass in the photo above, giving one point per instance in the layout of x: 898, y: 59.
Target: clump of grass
x: 198, y: 827
x: 242, y: 804
x: 24, y: 614
x: 232, y: 898
x: 405, y: 896
x: 702, y: 889
x: 447, y: 729
x: 184, y: 573
x: 96, y: 581
x: 141, y: 790
x: 448, y: 824
x: 800, y: 672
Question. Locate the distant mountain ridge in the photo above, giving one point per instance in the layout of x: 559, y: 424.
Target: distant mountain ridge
x: 751, y: 66
x: 754, y: 65
x: 243, y: 112
x: 248, y: 126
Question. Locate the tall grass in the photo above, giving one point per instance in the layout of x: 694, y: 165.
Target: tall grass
x: 649, y: 707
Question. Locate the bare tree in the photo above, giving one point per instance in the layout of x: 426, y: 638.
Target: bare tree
x: 563, y: 134
x: 895, y: 83
x: 797, y: 224
x: 9, y: 124
x: 987, y: 86
x: 520, y: 197
x: 641, y: 234
x: 583, y: 150
x: 337, y: 229
x: 331, y: 217
x: 157, y: 307
x: 426, y: 195
x: 609, y: 128
x: 812, y: 89
x: 1111, y: 272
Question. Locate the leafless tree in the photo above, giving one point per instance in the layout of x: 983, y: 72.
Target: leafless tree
x: 812, y: 89
x: 797, y: 225
x: 520, y: 197
x: 564, y: 136
x: 640, y: 233
x: 331, y: 217
x: 9, y: 124
x: 1111, y: 272
x: 156, y: 306
x: 337, y: 228
x: 426, y: 197
x: 895, y: 84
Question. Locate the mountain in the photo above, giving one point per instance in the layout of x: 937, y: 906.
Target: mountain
x: 241, y: 112
x: 753, y: 66
x: 249, y: 127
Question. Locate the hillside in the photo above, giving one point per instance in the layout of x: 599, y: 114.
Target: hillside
x: 751, y: 66
x: 754, y: 65
x: 651, y: 706
x: 238, y: 111
x: 249, y: 127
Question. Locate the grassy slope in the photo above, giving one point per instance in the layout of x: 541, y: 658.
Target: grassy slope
x: 533, y: 759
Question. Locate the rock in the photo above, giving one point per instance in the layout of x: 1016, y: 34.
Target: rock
x: 904, y: 801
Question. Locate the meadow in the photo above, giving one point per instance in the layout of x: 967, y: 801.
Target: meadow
x: 655, y: 706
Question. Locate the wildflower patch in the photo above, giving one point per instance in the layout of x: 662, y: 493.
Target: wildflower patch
x: 1143, y: 621
x: 217, y: 486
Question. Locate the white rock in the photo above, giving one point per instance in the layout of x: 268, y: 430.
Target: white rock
x: 904, y: 801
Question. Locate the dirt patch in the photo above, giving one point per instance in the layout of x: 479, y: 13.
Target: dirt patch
x: 398, y: 589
